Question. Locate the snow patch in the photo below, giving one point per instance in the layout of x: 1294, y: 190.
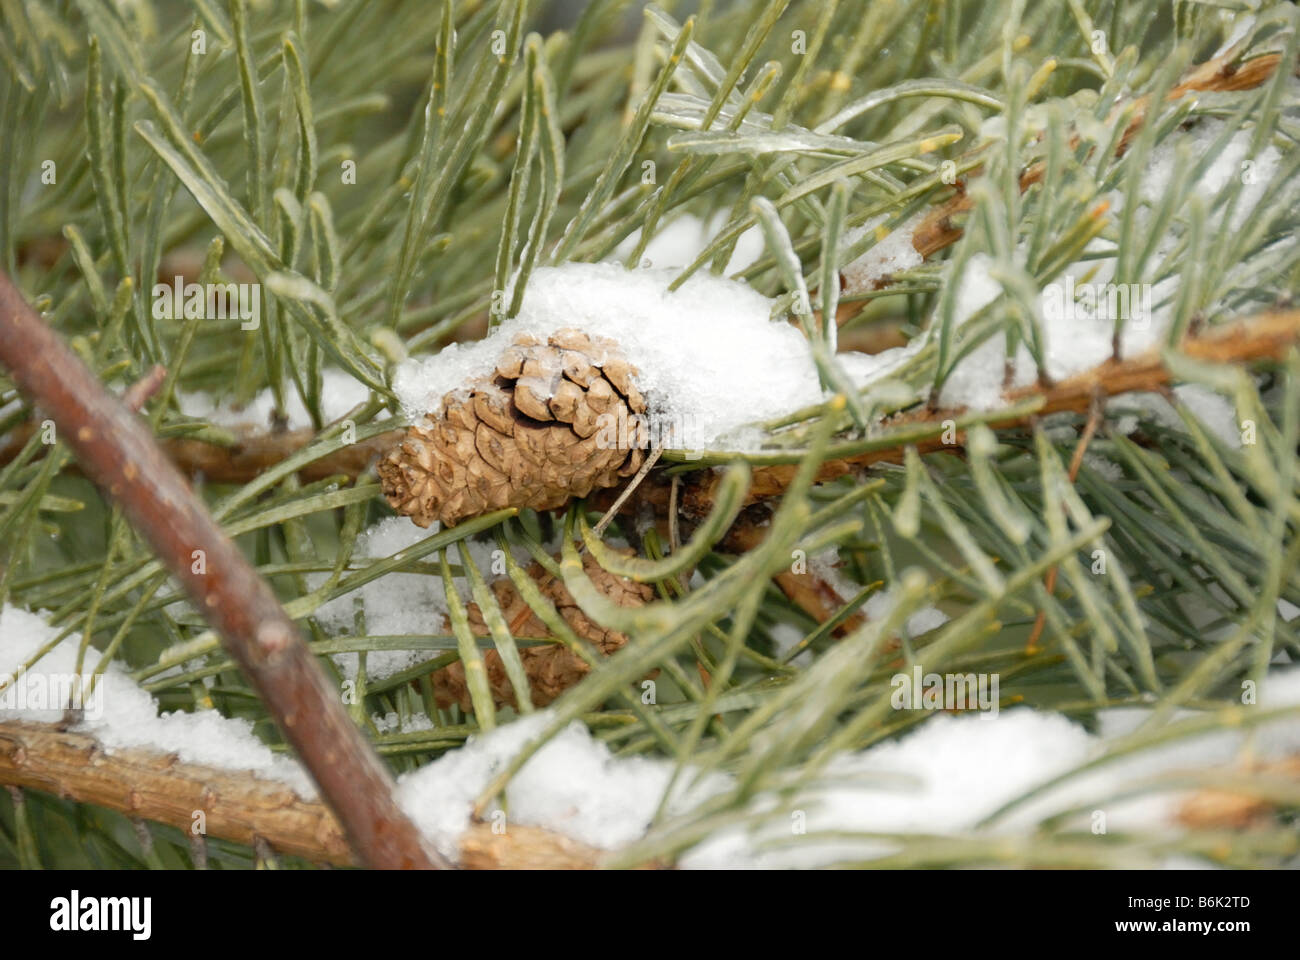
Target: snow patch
x: 1079, y: 339
x: 927, y: 618
x: 785, y: 637
x: 1214, y: 412
x: 944, y: 778
x: 340, y: 392
x: 684, y: 238
x: 573, y: 785
x: 891, y: 254
x: 709, y: 357
x: 398, y: 604
x: 121, y: 715
x: 955, y: 771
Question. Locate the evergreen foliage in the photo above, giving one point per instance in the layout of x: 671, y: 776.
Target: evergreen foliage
x: 381, y: 168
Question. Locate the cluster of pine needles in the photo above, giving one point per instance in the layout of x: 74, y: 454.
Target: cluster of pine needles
x: 382, y: 168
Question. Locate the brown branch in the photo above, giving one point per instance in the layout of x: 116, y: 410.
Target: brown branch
x: 808, y: 591
x: 117, y: 451
x: 256, y: 452
x: 157, y: 787
x: 235, y: 806
x: 253, y: 452
x: 1266, y: 336
x: 1262, y: 337
x: 525, y: 848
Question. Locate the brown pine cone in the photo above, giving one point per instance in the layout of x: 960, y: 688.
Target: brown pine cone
x: 531, y: 436
x: 552, y: 668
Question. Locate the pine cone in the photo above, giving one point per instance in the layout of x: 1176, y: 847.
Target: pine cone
x: 552, y: 668
x: 532, y: 436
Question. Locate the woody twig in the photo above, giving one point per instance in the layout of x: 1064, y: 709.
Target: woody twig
x: 1260, y: 338
x: 236, y: 806
x: 253, y: 452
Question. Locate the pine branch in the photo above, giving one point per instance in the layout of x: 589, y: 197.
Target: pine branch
x: 1233, y: 805
x: 467, y: 194
x: 1263, y: 337
x: 253, y: 453
x: 120, y: 455
x: 235, y: 806
x: 152, y: 786
x: 938, y: 229
x: 1266, y: 336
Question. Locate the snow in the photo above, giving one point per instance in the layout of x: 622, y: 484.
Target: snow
x: 1242, y: 23
x: 340, y: 392
x: 826, y: 567
x: 1076, y: 334
x: 1215, y: 413
x: 394, y: 604
x: 927, y: 618
x: 121, y: 715
x: 391, y: 723
x: 892, y: 253
x: 573, y: 785
x: 943, y: 778
x: 710, y: 358
x: 956, y: 770
x: 785, y: 637
x: 683, y: 238
x: 1108, y: 469
x: 976, y: 381
x: 399, y: 604
x: 1075, y: 313
x: 1229, y: 164
x: 872, y: 368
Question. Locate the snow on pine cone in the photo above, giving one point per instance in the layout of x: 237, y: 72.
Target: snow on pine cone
x: 555, y: 421
x: 551, y: 668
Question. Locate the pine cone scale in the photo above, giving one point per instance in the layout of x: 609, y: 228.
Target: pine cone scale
x: 528, y: 437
